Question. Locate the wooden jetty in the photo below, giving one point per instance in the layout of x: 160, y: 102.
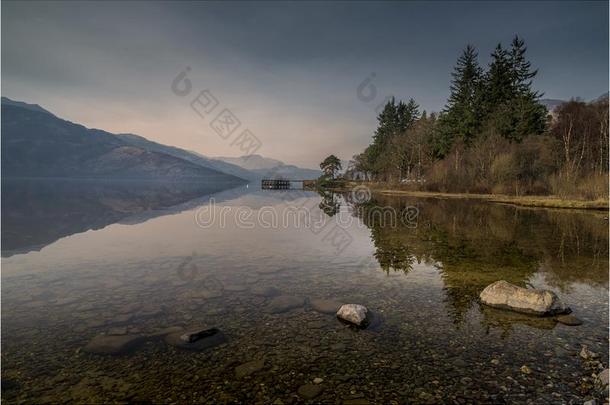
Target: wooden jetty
x: 275, y: 184
x: 287, y: 184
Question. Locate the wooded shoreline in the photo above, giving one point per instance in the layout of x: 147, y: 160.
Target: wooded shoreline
x: 524, y: 201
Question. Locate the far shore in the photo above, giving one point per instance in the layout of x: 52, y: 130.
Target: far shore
x: 524, y: 201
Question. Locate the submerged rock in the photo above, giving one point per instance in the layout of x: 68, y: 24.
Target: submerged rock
x: 587, y: 354
x: 106, y: 344
x: 325, y: 306
x: 505, y: 295
x: 265, y: 291
x: 569, y: 320
x: 249, y: 368
x: 310, y: 391
x: 285, y: 303
x: 353, y: 313
x: 196, y: 340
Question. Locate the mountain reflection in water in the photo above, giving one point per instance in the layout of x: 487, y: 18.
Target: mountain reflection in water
x: 36, y: 213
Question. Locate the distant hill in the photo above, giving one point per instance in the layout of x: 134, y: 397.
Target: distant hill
x: 193, y: 157
x: 252, y: 162
x: 36, y: 143
x: 271, y: 168
x: 551, y: 103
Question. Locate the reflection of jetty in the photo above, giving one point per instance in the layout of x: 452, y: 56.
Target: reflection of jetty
x: 284, y: 184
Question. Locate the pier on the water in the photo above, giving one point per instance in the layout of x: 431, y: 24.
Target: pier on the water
x: 284, y: 184
x: 267, y: 184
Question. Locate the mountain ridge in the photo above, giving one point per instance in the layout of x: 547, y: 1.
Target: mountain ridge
x: 36, y: 143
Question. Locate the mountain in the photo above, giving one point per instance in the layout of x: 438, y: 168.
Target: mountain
x: 551, y: 103
x: 36, y: 143
x: 252, y: 162
x: 31, y: 107
x: 271, y: 168
x: 193, y: 157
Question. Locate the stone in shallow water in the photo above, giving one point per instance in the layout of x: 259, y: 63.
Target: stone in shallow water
x: 196, y: 340
x: 325, y: 306
x: 505, y: 295
x: 249, y: 368
x: 310, y: 391
x: 265, y: 291
x: 284, y: 303
x: 353, y: 313
x: 104, y: 344
x: 569, y: 320
x: 587, y: 354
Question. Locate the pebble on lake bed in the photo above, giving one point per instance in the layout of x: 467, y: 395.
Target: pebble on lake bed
x: 505, y: 295
x: 310, y: 391
x: 355, y: 314
x: 249, y: 368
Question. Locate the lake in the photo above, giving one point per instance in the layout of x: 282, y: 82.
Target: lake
x: 138, y: 262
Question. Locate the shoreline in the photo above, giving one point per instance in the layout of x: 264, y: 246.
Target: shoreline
x: 523, y: 201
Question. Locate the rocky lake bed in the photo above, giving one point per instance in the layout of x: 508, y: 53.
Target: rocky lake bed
x: 250, y: 327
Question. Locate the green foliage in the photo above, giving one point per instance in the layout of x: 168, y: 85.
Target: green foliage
x: 330, y: 166
x: 492, y: 136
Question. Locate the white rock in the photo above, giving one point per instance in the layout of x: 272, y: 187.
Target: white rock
x: 353, y: 313
x: 505, y: 295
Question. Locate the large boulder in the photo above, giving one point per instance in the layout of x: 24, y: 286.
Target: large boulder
x: 355, y: 314
x: 505, y: 295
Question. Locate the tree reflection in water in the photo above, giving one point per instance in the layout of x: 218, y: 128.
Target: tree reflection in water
x: 475, y: 243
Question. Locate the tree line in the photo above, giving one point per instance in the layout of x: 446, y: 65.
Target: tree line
x: 493, y: 136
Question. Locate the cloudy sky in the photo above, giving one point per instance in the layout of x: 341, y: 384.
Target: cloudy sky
x: 289, y: 72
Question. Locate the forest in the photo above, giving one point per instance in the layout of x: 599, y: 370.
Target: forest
x: 493, y: 136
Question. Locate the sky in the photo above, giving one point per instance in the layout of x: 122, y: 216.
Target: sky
x: 305, y: 78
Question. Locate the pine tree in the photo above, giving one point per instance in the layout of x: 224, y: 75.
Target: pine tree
x: 521, y: 68
x: 529, y: 114
x: 462, y: 112
x: 498, y: 80
x: 407, y: 114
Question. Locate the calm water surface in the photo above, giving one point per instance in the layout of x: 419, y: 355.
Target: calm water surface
x: 83, y: 260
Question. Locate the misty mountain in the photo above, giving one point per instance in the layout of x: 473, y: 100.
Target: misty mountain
x: 272, y: 168
x: 35, y: 143
x: 252, y: 162
x: 193, y: 157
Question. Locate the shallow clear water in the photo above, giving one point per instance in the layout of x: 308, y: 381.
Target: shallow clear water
x: 81, y: 261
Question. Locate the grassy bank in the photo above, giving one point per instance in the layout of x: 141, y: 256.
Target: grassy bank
x: 525, y: 201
